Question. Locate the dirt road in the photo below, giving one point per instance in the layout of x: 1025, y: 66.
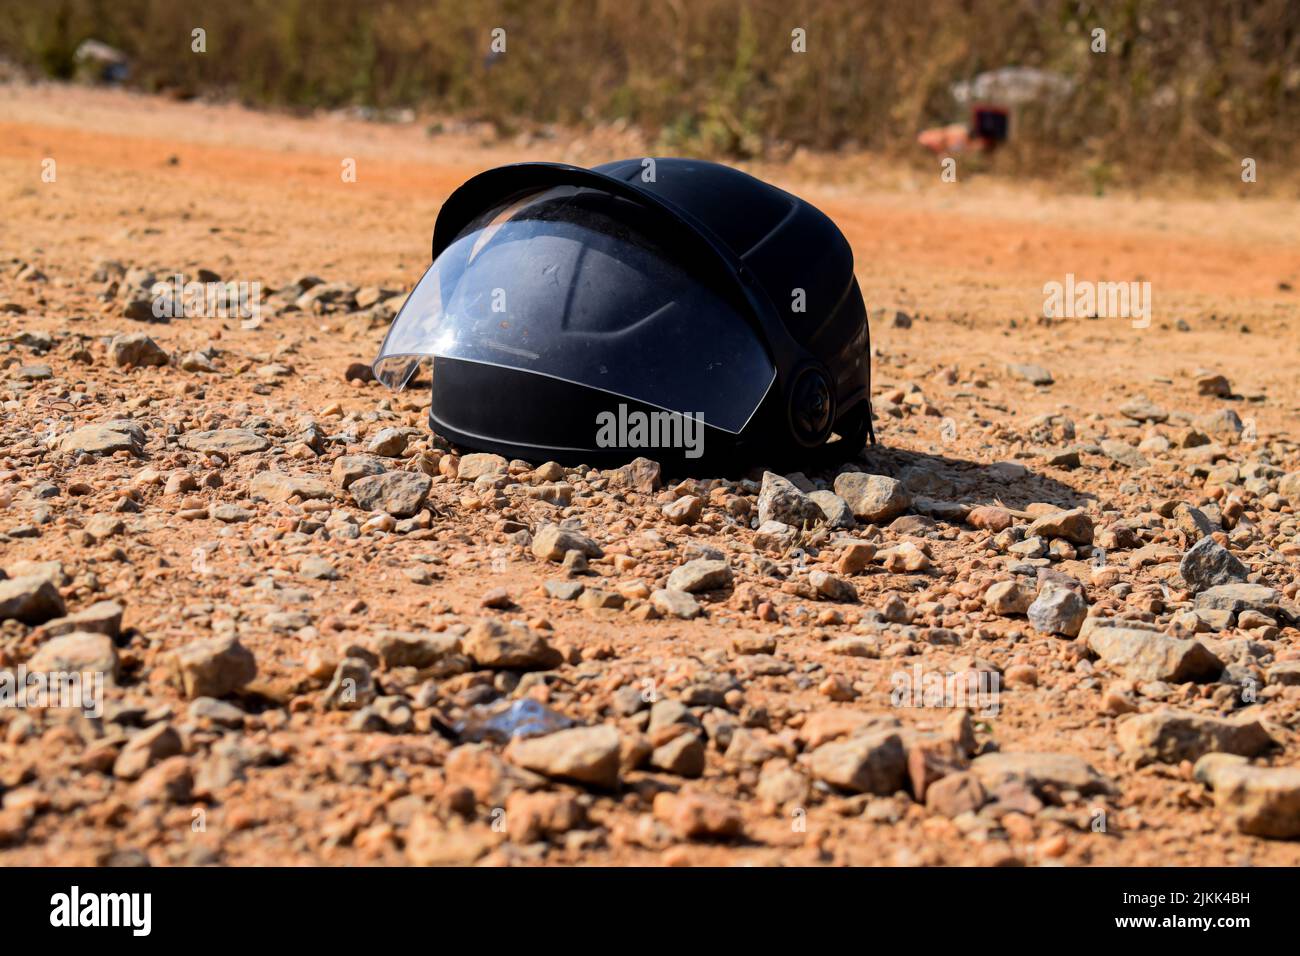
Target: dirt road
x: 738, y: 759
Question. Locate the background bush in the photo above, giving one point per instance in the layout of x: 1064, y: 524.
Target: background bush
x: 1184, y: 86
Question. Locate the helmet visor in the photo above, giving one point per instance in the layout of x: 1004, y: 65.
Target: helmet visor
x: 567, y: 282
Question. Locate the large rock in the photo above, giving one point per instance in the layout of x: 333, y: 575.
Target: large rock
x: 1041, y: 772
x: 677, y: 604
x: 640, y: 475
x: 278, y: 486
x: 1207, y: 564
x: 835, y: 510
x: 1058, y: 610
x: 32, y: 599
x: 478, y: 464
x: 350, y: 468
x: 1169, y: 736
x: 1074, y: 525
x: 399, y: 493
x: 136, y: 348
x: 552, y: 543
x: 1260, y: 801
x: 1150, y: 656
x: 587, y: 755
x: 872, y: 498
x: 701, y: 574
x: 225, y: 441
x: 102, y: 617
x: 80, y: 651
x: 1236, y: 598
x: 508, y: 646
x: 104, y: 439
x: 780, y: 500
x: 873, y: 763
x: 213, y: 667
x: 417, y: 649
x: 1008, y: 598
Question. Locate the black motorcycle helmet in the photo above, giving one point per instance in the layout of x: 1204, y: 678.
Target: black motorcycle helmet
x: 670, y: 308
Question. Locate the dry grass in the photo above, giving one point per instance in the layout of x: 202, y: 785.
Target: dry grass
x: 1188, y: 87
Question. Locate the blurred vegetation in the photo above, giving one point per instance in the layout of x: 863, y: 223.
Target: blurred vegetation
x: 1183, y: 86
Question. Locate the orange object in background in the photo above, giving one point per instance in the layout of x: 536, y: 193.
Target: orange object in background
x: 988, y: 127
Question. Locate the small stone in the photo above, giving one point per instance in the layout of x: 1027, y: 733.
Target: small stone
x: 1041, y: 772
x: 1033, y: 374
x: 1008, y: 598
x: 1170, y: 736
x: 398, y: 493
x: 214, y: 667
x: 171, y: 781
x: 316, y: 568
x: 1192, y: 522
x: 146, y: 748
x: 79, y: 651
x: 1260, y: 801
x: 279, y: 486
x: 873, y: 763
x: 352, y: 687
x: 225, y: 441
x: 833, y: 588
x: 563, y: 589
x: 1143, y: 410
x: 431, y: 843
x: 104, y: 439
x: 696, y: 816
x: 1213, y: 384
x: 415, y: 649
x: 1074, y: 525
x: 701, y: 574
x: 683, y: 756
x: 780, y: 500
x: 640, y: 475
x: 1123, y: 453
x: 930, y: 759
x: 955, y: 794
x: 102, y: 617
x: 1150, y: 656
x: 495, y: 644
x: 875, y: 499
x: 856, y: 557
x: 32, y: 599
x: 1208, y: 564
x: 230, y: 514
x: 1058, y: 610
x: 535, y: 816
x: 587, y: 755
x: 136, y: 349
x: 389, y: 442
x: 673, y: 603
x: 685, y: 510
x: 1236, y: 598
x: 989, y: 518
x: 350, y: 468
x: 835, y: 510
x: 479, y: 464
x: 552, y: 543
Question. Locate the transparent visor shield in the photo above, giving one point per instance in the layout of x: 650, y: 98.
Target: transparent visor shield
x: 564, y: 283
